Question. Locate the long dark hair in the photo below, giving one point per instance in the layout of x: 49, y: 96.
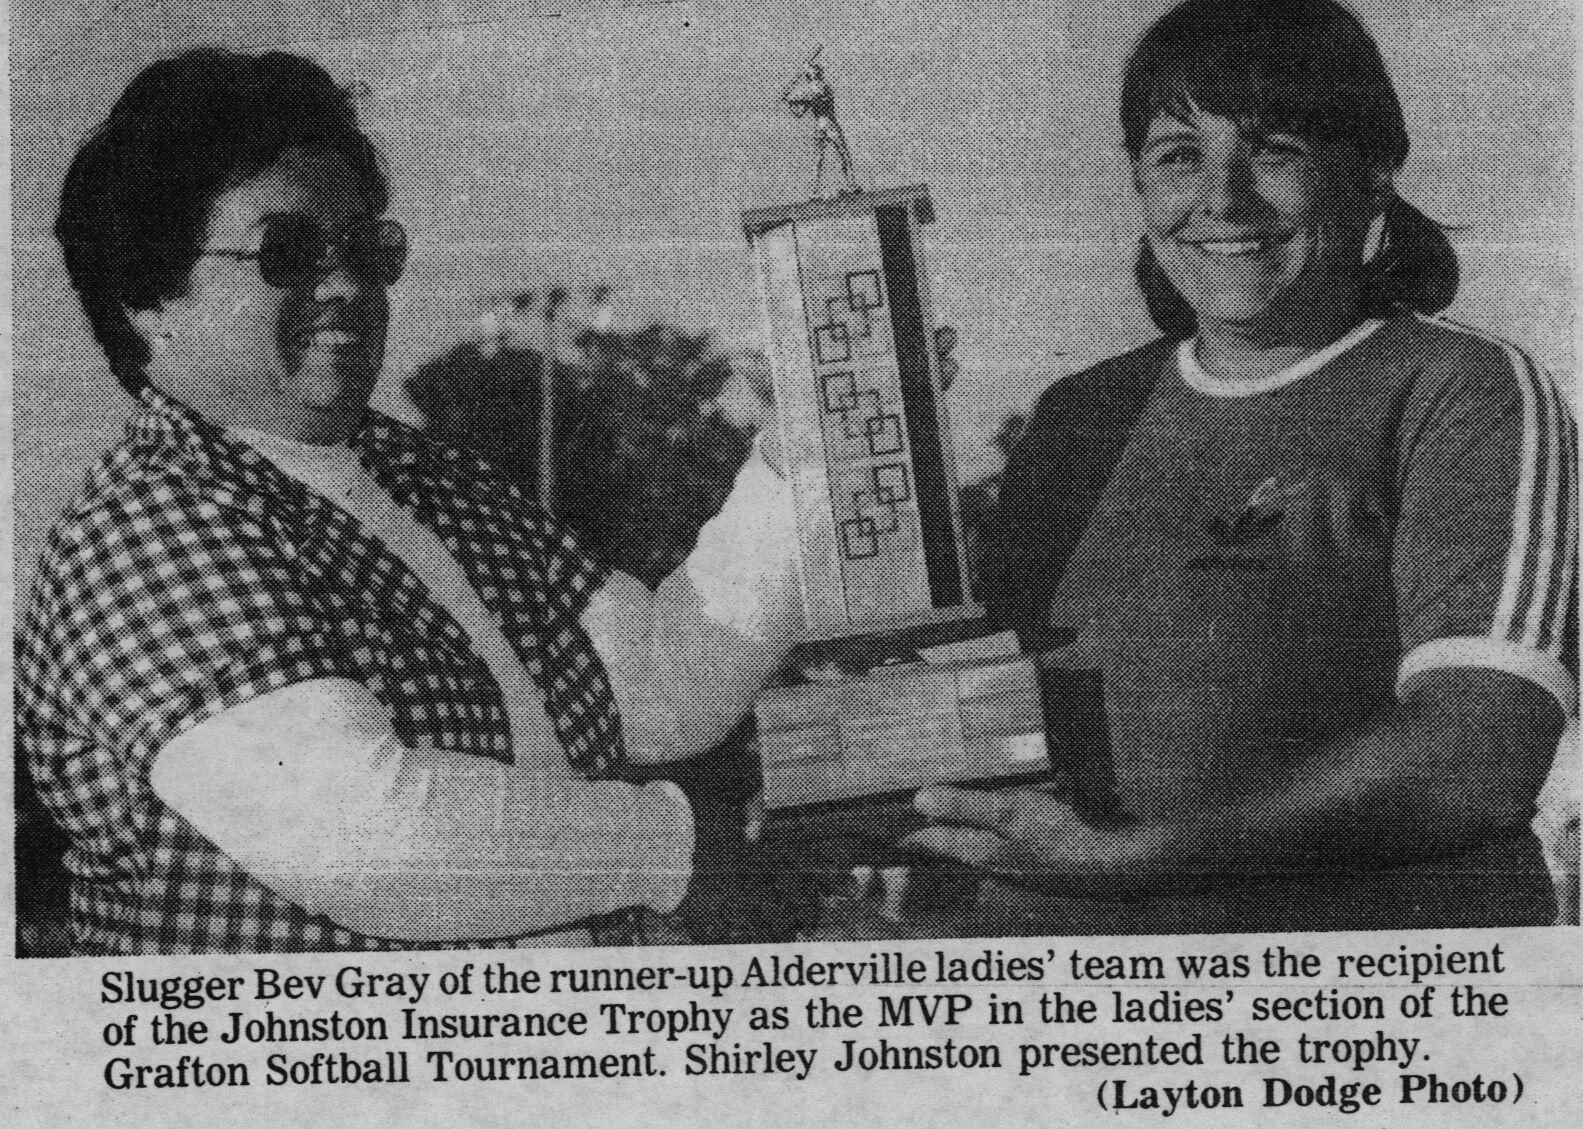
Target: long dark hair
x: 1306, y: 67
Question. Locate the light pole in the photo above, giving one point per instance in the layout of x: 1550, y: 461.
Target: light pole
x: 599, y: 298
x: 553, y: 301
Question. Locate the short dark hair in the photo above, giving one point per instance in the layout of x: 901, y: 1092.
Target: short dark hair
x: 136, y: 200
x: 1307, y: 67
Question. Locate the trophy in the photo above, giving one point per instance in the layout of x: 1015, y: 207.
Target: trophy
x: 914, y: 688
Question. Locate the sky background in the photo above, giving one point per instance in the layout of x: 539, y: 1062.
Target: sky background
x: 607, y: 143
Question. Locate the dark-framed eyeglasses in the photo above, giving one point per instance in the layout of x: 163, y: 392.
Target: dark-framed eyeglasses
x: 294, y: 250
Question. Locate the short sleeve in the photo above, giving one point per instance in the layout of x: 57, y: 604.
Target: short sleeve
x: 1485, y: 545
x: 159, y: 607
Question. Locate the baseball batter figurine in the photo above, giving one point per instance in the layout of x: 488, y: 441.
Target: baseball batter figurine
x: 810, y: 93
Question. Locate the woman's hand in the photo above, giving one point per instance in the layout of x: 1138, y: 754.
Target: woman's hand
x: 1035, y: 838
x: 1027, y: 837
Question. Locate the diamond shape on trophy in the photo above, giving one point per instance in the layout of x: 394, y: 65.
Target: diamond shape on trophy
x: 859, y: 539
x: 860, y: 323
x: 891, y: 484
x: 887, y: 519
x: 884, y: 434
x: 840, y: 391
x: 863, y: 290
x: 832, y: 344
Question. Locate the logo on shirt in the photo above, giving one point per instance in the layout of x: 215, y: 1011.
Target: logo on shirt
x: 1237, y: 538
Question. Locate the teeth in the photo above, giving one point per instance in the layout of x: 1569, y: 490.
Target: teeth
x: 334, y: 337
x: 1238, y: 246
x: 1245, y: 247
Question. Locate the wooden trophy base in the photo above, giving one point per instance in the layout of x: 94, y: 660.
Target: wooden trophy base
x: 840, y: 748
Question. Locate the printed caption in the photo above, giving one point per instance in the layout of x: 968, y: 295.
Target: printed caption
x: 1173, y: 1034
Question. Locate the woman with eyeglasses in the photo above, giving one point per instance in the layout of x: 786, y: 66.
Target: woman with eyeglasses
x: 1315, y: 546
x: 294, y: 676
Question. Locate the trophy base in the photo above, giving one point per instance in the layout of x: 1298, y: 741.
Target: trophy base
x: 874, y: 723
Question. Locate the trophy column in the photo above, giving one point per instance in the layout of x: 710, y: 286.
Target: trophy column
x: 867, y: 448
x: 863, y: 427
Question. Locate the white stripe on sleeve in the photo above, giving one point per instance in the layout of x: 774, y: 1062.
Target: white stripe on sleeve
x: 1522, y: 509
x: 1541, y: 557
x: 1569, y: 540
x: 1548, y: 552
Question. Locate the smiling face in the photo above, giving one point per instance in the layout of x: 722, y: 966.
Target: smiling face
x: 299, y: 361
x: 1261, y: 232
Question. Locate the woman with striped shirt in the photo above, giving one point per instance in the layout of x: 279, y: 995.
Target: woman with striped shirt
x: 1314, y: 548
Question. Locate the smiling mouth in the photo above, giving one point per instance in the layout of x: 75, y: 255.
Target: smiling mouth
x: 332, y: 338
x: 1238, y: 248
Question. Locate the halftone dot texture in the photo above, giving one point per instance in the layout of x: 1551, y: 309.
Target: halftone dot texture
x: 617, y: 144
x: 194, y: 576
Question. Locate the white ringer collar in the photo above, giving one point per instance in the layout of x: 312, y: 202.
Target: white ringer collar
x: 330, y: 469
x: 1199, y: 378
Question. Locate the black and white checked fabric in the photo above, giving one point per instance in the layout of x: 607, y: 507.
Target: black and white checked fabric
x: 192, y: 575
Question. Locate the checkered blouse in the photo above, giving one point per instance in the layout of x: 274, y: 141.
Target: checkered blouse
x: 192, y: 575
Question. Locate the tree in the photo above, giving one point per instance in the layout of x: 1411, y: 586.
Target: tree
x: 645, y: 450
